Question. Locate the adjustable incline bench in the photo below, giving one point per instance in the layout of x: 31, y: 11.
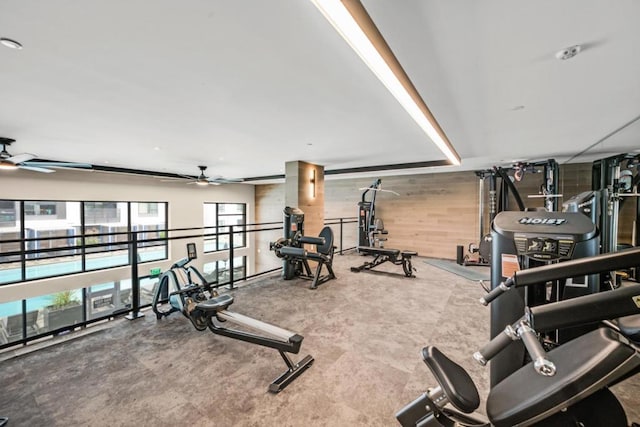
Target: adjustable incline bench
x: 382, y: 255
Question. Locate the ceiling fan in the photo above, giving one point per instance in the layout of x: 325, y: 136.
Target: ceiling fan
x: 25, y: 161
x: 203, y: 179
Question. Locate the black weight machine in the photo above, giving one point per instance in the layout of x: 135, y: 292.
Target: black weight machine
x: 501, y: 185
x: 370, y: 235
x: 371, y: 231
x: 296, y: 258
x: 569, y: 385
x: 524, y: 240
x: 188, y: 292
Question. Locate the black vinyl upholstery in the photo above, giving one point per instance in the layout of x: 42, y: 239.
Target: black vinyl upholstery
x: 581, y: 365
x: 215, y: 304
x: 630, y: 327
x: 454, y: 380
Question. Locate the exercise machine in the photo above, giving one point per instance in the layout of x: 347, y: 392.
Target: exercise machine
x: 382, y: 255
x: 523, y: 240
x: 186, y: 291
x: 568, y: 385
x: 371, y: 232
x: 296, y: 257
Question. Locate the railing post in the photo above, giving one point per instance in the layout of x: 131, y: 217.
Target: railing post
x: 341, y: 233
x: 231, y: 257
x: 135, y: 282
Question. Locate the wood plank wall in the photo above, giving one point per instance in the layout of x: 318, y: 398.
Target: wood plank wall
x: 432, y: 215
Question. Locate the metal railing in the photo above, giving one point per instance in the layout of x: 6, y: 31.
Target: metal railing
x: 29, y: 323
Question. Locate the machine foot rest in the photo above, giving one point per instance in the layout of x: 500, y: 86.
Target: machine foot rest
x: 290, y: 374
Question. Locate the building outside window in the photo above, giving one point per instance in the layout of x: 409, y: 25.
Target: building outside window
x: 223, y: 215
x: 52, y: 236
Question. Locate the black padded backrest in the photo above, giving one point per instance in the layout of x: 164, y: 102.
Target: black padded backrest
x: 326, y: 249
x: 454, y: 380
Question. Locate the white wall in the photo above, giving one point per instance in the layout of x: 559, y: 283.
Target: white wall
x: 185, y: 210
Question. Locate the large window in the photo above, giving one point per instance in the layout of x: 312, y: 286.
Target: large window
x: 219, y: 271
x: 106, y: 227
x: 149, y: 219
x: 50, y: 229
x: 217, y: 219
x: 45, y: 238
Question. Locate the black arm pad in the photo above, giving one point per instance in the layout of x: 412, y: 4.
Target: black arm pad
x: 293, y: 252
x: 311, y: 240
x: 578, y: 267
x: 605, y: 305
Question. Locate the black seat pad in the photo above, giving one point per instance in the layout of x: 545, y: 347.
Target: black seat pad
x: 379, y: 251
x: 454, y: 380
x: 630, y: 327
x: 580, y: 363
x: 215, y: 304
x: 408, y: 254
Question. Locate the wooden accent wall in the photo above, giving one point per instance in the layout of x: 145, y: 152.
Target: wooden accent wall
x: 433, y: 213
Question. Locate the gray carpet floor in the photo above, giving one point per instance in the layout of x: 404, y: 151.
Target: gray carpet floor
x: 365, y: 331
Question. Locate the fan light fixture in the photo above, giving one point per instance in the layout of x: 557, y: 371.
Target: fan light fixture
x: 11, y: 44
x: 7, y: 165
x: 340, y: 13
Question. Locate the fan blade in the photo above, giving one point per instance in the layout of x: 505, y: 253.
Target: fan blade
x: 35, y: 169
x: 21, y: 158
x: 59, y: 164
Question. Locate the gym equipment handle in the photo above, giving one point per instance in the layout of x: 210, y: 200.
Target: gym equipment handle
x: 585, y: 309
x: 496, y: 292
x: 578, y: 267
x: 541, y: 363
x: 496, y: 345
x: 312, y: 240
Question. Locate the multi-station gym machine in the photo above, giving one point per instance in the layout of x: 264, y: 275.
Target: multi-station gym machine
x: 501, y: 187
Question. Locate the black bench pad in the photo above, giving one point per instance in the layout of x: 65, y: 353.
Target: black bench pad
x: 380, y: 251
x: 215, y: 304
x: 630, y: 327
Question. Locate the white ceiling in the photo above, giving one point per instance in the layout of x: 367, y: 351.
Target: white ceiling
x: 244, y: 86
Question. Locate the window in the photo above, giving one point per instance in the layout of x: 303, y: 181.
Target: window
x: 55, y: 210
x: 52, y: 236
x: 219, y: 271
x: 103, y: 212
x: 224, y: 215
x: 106, y: 226
x: 149, y: 219
x: 52, y: 228
x: 8, y: 213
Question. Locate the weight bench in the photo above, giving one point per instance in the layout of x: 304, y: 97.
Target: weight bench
x: 382, y: 255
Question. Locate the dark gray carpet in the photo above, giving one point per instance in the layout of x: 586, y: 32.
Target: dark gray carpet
x: 364, y: 330
x: 468, y: 272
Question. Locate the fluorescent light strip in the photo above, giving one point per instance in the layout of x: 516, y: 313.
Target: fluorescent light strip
x: 337, y: 14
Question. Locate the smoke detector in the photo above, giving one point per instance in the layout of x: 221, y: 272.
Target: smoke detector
x: 569, y: 52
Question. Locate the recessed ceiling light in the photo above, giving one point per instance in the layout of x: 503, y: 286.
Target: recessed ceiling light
x: 156, y: 148
x: 12, y: 44
x: 568, y: 52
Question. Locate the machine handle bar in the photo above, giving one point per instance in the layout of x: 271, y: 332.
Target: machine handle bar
x: 496, y: 345
x: 578, y: 267
x: 541, y: 363
x: 496, y: 292
x: 573, y: 268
